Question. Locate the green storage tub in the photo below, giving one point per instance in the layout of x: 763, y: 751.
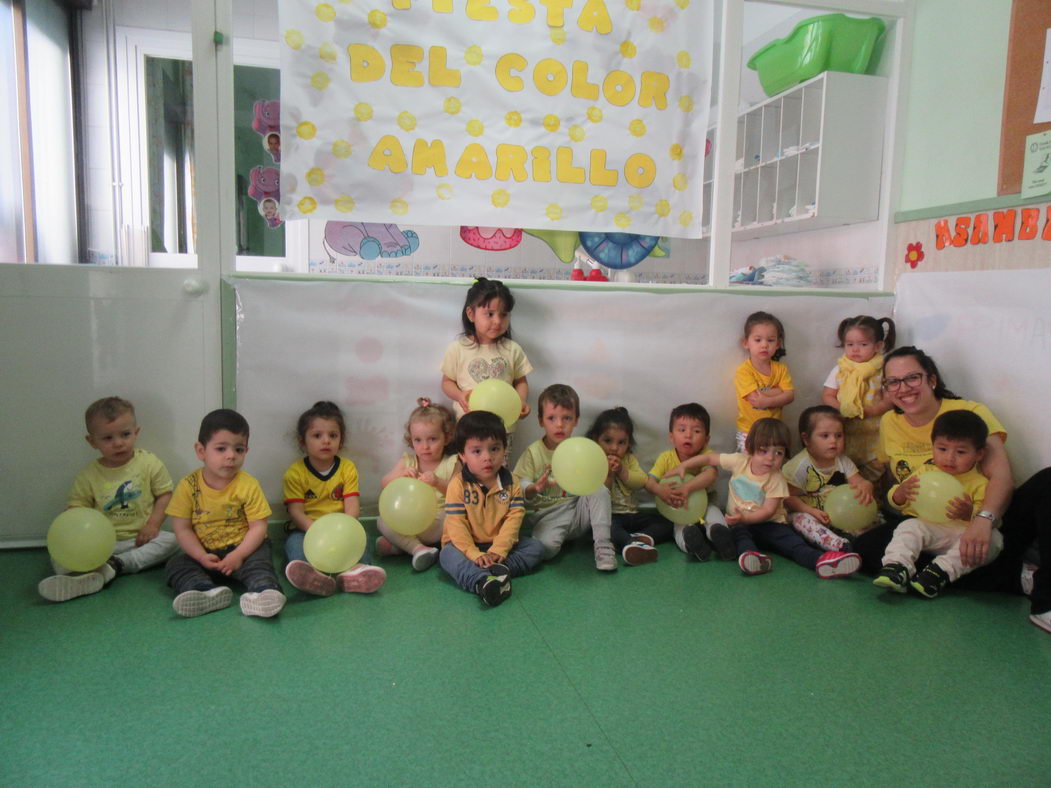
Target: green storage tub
x: 830, y: 42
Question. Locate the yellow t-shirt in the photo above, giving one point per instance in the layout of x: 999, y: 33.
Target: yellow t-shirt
x: 219, y: 517
x: 469, y: 363
x: 125, y: 494
x: 320, y: 494
x: 530, y: 467
x: 905, y: 448
x: 444, y: 471
x: 974, y: 485
x: 667, y: 460
x: 748, y: 379
x: 748, y: 491
x: 622, y: 493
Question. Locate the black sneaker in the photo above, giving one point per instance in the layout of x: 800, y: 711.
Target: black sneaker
x: 723, y: 541
x: 493, y: 590
x: 117, y: 564
x: 893, y: 577
x: 697, y: 543
x: 930, y: 581
x: 501, y: 572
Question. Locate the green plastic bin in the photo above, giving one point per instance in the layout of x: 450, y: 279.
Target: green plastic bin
x: 830, y: 42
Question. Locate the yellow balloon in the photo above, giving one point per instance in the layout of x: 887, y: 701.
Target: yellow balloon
x: 936, y: 489
x: 579, y: 466
x: 690, y: 512
x: 334, y: 543
x: 409, y: 506
x: 499, y: 397
x: 846, y: 513
x: 81, y: 539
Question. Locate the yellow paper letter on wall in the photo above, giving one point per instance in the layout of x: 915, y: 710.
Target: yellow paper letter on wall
x: 366, y: 64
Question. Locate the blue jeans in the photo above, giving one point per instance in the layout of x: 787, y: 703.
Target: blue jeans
x: 294, y: 548
x: 524, y: 557
x: 779, y: 538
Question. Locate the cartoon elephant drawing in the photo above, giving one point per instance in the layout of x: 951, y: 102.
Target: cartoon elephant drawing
x: 266, y: 116
x: 263, y: 183
x: 367, y: 240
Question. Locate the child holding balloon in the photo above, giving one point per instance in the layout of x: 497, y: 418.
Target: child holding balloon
x: 854, y: 387
x: 812, y: 474
x: 762, y: 383
x: 323, y: 483
x: 481, y: 548
x: 937, y: 522
x: 756, y: 511
x: 486, y: 349
x: 558, y: 515
x: 432, y: 460
x: 131, y: 487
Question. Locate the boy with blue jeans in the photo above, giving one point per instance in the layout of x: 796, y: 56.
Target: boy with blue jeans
x: 481, y: 549
x: 128, y: 485
x: 219, y: 515
x: 560, y: 516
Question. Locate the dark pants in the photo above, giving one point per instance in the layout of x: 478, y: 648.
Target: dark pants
x: 778, y: 537
x: 1027, y: 520
x: 256, y: 573
x: 650, y: 523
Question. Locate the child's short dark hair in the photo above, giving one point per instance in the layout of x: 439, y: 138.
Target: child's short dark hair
x: 560, y: 395
x: 690, y: 410
x: 811, y: 414
x: 222, y: 419
x: 107, y: 409
x: 480, y: 425
x: 614, y: 417
x: 323, y: 409
x: 961, y: 425
x: 767, y: 432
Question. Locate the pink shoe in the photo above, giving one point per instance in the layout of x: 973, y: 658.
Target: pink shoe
x: 306, y: 578
x: 362, y: 579
x: 385, y: 548
x: 753, y: 563
x: 836, y: 564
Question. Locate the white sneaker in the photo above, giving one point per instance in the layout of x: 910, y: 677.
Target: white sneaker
x: 424, y: 557
x: 605, y: 556
x: 265, y: 604
x: 1042, y: 620
x: 62, y: 588
x: 1027, y: 578
x: 196, y: 603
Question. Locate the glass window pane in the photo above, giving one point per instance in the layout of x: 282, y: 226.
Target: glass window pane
x: 257, y: 160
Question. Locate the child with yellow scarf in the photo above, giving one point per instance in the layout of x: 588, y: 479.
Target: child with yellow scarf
x: 853, y: 387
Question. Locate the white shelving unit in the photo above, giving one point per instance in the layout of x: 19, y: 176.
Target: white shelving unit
x: 809, y: 158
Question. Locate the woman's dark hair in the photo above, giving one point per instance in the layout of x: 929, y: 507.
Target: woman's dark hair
x: 927, y: 365
x: 481, y: 293
x: 766, y: 319
x: 614, y: 417
x: 874, y: 327
x: 321, y: 410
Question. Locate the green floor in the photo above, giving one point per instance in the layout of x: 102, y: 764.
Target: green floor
x: 667, y: 674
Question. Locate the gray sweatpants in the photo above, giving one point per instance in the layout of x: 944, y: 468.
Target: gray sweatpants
x: 256, y: 573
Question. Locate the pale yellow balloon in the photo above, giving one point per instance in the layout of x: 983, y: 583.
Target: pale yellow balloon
x: 334, y: 543
x: 579, y: 466
x: 81, y: 539
x: 408, y: 506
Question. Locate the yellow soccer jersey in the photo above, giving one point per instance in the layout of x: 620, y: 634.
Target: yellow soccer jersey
x: 219, y: 517
x: 974, y: 485
x: 475, y: 515
x: 320, y: 494
x: 125, y: 494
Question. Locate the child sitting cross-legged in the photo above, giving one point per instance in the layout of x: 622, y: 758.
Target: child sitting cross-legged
x: 219, y: 514
x: 756, y: 511
x: 958, y: 443
x: 481, y: 549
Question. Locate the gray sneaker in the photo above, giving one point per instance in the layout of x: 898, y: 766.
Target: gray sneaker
x: 605, y: 556
x: 265, y: 604
x: 62, y: 588
x: 196, y: 603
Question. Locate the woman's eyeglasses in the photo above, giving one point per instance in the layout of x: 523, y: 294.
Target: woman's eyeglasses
x: 911, y: 381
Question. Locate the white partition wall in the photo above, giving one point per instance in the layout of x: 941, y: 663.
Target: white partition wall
x: 373, y: 348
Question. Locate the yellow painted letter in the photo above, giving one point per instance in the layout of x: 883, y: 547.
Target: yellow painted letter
x: 550, y: 77
x: 510, y: 162
x: 541, y: 164
x: 388, y: 155
x: 594, y: 18
x: 481, y: 11
x: 600, y: 176
x: 437, y: 72
x: 403, y: 60
x: 619, y: 88
x: 654, y: 89
x: 581, y: 88
x: 564, y: 169
x: 556, y: 11
x: 522, y: 12
x: 504, y: 66
x: 474, y: 163
x: 429, y: 156
x: 366, y: 64
x: 639, y: 170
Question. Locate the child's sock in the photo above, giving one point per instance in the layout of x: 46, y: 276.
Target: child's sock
x: 197, y: 602
x: 62, y: 588
x: 362, y: 579
x: 265, y: 604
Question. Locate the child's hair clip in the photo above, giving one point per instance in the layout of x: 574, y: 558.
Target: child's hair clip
x: 424, y: 402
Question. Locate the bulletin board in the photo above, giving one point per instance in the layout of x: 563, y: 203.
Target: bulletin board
x: 1030, y: 20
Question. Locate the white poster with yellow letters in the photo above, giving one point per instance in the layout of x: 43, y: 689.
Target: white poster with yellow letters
x: 550, y: 114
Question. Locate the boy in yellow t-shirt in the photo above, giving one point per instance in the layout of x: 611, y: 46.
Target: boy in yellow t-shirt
x: 958, y: 443
x: 219, y: 514
x: 128, y: 485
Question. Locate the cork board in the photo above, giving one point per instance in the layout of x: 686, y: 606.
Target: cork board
x: 1030, y: 20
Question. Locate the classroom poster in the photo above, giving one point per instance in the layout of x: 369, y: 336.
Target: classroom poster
x: 549, y: 114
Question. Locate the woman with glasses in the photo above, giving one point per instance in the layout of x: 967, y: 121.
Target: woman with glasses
x: 915, y: 388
